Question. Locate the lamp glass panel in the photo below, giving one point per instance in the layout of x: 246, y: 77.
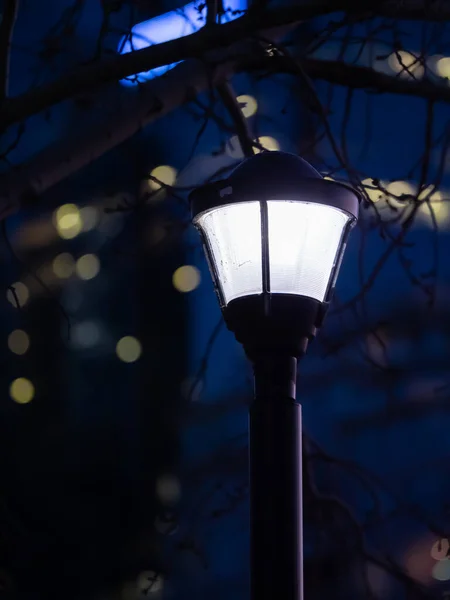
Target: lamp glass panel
x: 304, y: 240
x: 233, y: 233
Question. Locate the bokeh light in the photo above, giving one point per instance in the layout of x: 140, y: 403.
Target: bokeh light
x: 399, y: 189
x: 168, y: 489
x: 67, y: 219
x: 87, y: 266
x: 165, y: 174
x: 373, y: 192
x: 440, y: 550
x: 406, y: 64
x: 441, y: 570
x: 86, y: 334
x: 249, y: 105
x: 129, y: 349
x: 63, y: 265
x: 436, y: 209
x: 443, y: 67
x: 89, y: 217
x: 186, y: 278
x: 148, y: 583
x: 20, y: 295
x: 18, y: 341
x: 21, y: 390
x: 268, y: 143
x: 191, y: 388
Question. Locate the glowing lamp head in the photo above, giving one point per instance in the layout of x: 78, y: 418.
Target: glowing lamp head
x: 274, y: 234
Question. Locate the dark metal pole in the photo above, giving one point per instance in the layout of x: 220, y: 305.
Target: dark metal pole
x: 276, y: 482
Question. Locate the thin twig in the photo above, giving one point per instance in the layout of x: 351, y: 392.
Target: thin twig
x: 8, y: 21
x: 228, y: 97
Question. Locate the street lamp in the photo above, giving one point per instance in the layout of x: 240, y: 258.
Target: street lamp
x: 274, y: 233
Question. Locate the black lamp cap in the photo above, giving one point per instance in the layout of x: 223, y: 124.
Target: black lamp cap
x: 274, y: 176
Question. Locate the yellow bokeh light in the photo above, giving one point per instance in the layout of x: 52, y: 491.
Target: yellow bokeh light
x: 268, y: 143
x: 20, y: 295
x: 87, y: 266
x: 186, y: 278
x: 443, y: 67
x: 68, y: 222
x: 21, y: 390
x: 250, y: 106
x: 373, y: 193
x: 437, y: 209
x: 18, y: 341
x: 129, y: 349
x: 63, y: 265
x: 165, y: 174
x: 406, y: 64
x: 400, y: 188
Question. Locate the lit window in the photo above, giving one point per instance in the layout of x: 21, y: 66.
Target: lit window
x: 67, y: 219
x: 21, y: 390
x: 87, y: 266
x: 63, y: 265
x: 248, y: 105
x: 19, y: 296
x: 18, y: 341
x: 165, y: 174
x: 129, y: 349
x: 186, y: 278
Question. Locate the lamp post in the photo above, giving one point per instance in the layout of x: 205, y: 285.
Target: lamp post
x: 274, y: 234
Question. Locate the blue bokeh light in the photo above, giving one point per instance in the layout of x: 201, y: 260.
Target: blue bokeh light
x: 170, y: 26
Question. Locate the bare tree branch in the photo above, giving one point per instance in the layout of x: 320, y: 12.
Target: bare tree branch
x: 155, y: 99
x: 92, y: 76
x: 6, y: 32
x: 357, y: 77
x: 228, y: 97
